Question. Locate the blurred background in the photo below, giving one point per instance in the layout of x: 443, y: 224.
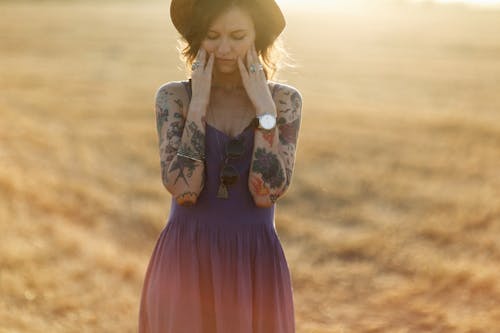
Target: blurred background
x: 392, y: 221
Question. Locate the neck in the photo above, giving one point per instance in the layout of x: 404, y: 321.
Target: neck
x: 227, y: 81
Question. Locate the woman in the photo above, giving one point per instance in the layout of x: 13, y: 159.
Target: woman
x: 227, y: 141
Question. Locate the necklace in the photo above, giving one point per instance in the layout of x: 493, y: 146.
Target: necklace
x: 219, y: 149
x: 229, y: 174
x: 228, y: 87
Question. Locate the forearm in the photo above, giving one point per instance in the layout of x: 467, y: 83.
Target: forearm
x: 184, y: 177
x: 267, y: 178
x: 274, y: 151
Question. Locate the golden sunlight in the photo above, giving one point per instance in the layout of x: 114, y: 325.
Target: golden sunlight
x: 391, y: 221
x: 474, y: 3
x: 321, y: 5
x: 334, y: 3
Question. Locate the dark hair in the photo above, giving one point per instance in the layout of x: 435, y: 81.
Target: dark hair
x: 269, y: 47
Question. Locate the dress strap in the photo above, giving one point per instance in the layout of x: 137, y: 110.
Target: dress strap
x: 187, y: 85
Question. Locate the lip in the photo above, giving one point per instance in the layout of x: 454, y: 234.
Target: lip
x: 224, y: 60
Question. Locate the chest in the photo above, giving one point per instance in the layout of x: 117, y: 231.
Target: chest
x: 230, y: 114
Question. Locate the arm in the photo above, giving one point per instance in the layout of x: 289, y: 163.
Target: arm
x: 182, y: 177
x: 274, y: 151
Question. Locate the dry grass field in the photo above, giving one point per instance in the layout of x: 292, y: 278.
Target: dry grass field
x: 392, y: 223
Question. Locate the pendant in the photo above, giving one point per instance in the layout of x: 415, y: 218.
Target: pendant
x: 222, y: 192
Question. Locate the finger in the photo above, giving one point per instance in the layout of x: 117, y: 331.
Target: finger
x: 257, y: 61
x: 243, y: 70
x: 197, y: 63
x: 249, y: 58
x: 256, y: 54
x: 201, y: 56
x: 198, y: 54
x: 210, y: 63
x: 254, y: 51
x: 261, y: 73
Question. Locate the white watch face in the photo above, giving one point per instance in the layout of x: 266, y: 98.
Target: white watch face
x: 267, y: 121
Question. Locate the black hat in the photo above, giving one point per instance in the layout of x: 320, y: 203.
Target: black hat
x: 181, y: 13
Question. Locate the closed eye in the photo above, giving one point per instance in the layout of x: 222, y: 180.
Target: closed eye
x: 239, y: 37
x: 212, y: 36
x: 236, y: 34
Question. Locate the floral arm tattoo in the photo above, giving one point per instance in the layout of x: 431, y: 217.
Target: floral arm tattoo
x: 183, y: 177
x: 274, y: 151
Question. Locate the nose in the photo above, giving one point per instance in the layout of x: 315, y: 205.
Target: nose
x: 224, y: 47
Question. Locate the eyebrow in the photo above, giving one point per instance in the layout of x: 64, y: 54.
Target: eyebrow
x: 234, y: 31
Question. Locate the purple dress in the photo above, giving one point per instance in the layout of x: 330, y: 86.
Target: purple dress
x: 218, y: 266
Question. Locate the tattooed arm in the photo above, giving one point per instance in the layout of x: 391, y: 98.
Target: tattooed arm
x: 181, y: 176
x: 274, y: 151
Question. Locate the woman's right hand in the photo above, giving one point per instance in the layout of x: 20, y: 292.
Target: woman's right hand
x: 201, y: 79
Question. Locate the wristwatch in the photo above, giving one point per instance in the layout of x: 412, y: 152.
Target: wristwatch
x: 266, y: 121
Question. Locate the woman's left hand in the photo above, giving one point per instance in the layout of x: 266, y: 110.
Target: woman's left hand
x: 255, y: 83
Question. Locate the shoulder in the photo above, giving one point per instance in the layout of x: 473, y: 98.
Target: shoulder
x: 287, y: 98
x: 176, y: 89
x: 172, y: 87
x: 283, y: 88
x: 173, y: 92
x: 285, y: 93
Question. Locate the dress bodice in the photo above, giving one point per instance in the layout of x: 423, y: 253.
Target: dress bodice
x: 239, y: 207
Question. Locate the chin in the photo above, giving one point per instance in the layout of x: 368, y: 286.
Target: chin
x: 226, y: 69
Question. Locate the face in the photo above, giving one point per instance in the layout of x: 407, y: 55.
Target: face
x: 230, y: 36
